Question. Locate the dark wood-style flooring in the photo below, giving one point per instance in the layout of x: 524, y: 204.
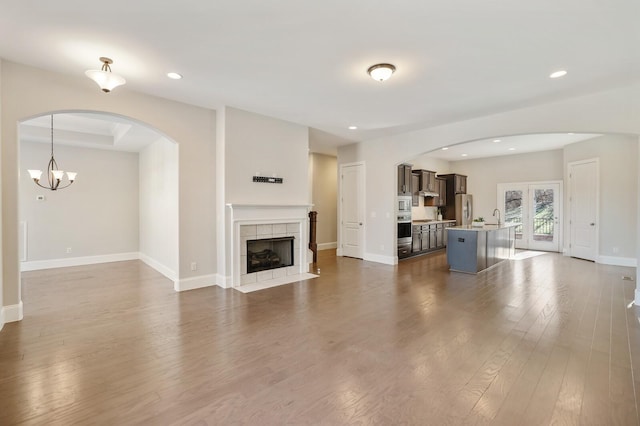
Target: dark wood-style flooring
x: 544, y: 340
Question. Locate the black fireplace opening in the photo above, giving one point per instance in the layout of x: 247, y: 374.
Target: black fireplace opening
x: 270, y: 253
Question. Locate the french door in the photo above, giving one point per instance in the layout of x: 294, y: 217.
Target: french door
x: 536, y: 208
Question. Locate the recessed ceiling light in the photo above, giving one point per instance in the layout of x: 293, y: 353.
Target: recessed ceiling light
x: 571, y: 133
x: 512, y: 149
x: 381, y: 72
x: 174, y: 75
x: 464, y: 155
x: 353, y: 127
x: 496, y: 140
x: 445, y: 148
x: 557, y: 74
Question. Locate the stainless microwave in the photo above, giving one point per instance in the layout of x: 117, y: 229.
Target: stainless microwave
x: 404, y: 204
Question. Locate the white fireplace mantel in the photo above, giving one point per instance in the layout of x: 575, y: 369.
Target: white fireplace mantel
x: 260, y: 214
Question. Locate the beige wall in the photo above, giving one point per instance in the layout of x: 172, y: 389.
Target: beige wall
x: 158, y: 166
x: 484, y: 175
x: 324, y: 193
x: 618, y: 158
x: 97, y: 215
x: 259, y: 145
x: 28, y: 92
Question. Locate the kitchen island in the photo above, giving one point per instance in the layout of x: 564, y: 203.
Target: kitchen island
x: 473, y: 249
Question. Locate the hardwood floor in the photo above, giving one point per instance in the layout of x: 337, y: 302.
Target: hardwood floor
x: 543, y: 340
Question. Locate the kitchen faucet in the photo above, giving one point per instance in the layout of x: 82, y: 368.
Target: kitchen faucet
x: 494, y: 214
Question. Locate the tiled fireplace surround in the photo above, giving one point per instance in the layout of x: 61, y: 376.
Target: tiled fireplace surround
x: 255, y: 222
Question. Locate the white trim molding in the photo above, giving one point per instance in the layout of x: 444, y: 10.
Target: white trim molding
x: 193, y: 283
x: 381, y: 258
x: 36, y: 265
x: 328, y: 246
x: 12, y: 313
x: 1, y: 317
x: 224, y: 281
x: 617, y: 261
x: 164, y: 270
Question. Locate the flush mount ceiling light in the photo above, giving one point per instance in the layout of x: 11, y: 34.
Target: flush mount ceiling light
x: 353, y: 127
x: 496, y: 141
x: 104, y: 77
x: 558, y: 74
x: 445, y: 148
x: 174, y: 75
x: 381, y: 72
x: 53, y: 173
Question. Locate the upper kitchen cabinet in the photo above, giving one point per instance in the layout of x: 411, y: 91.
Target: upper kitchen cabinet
x: 415, y: 190
x: 441, y: 190
x: 427, y: 180
x: 456, y: 184
x: 404, y: 179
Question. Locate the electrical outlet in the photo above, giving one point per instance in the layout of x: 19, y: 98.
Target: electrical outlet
x: 381, y: 247
x: 616, y: 249
x: 68, y: 249
x: 194, y: 266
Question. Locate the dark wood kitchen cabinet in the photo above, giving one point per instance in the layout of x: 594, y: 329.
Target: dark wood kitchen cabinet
x: 441, y: 190
x: 456, y: 184
x: 427, y: 180
x: 415, y: 190
x: 416, y: 239
x: 404, y: 179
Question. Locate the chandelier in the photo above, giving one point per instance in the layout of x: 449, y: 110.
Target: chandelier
x: 54, y: 174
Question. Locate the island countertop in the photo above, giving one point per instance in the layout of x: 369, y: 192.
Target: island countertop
x: 484, y: 228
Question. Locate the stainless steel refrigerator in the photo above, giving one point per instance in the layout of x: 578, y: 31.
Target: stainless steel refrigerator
x: 464, y: 209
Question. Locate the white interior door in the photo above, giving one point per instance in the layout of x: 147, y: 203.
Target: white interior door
x: 583, y: 202
x: 536, y: 207
x: 352, y: 210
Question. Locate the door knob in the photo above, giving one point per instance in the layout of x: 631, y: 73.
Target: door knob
x: 592, y: 224
x: 360, y: 223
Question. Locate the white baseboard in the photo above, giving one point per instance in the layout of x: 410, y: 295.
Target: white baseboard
x: 224, y: 281
x: 637, y: 301
x: 1, y: 317
x: 618, y: 261
x: 381, y: 258
x: 193, y: 283
x: 327, y: 246
x: 36, y: 265
x: 164, y: 270
x: 12, y: 313
x: 338, y: 251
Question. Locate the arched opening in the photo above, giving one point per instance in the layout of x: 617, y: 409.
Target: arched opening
x: 123, y: 204
x: 523, y: 161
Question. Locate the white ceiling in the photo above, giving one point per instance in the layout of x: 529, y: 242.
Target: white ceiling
x: 510, y: 145
x: 306, y: 61
x: 89, y: 130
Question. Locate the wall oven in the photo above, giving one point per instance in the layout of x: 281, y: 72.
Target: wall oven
x: 404, y: 226
x: 404, y: 231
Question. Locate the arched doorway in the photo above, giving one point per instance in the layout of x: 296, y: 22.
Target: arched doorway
x: 123, y: 204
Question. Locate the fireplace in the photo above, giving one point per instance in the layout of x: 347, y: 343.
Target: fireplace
x: 269, y: 253
x: 248, y: 222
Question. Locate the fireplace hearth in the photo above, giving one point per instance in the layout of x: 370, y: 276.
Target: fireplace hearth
x: 269, y: 253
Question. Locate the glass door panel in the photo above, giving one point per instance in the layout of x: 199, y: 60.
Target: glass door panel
x: 535, y: 207
x: 544, y: 214
x: 513, y: 211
